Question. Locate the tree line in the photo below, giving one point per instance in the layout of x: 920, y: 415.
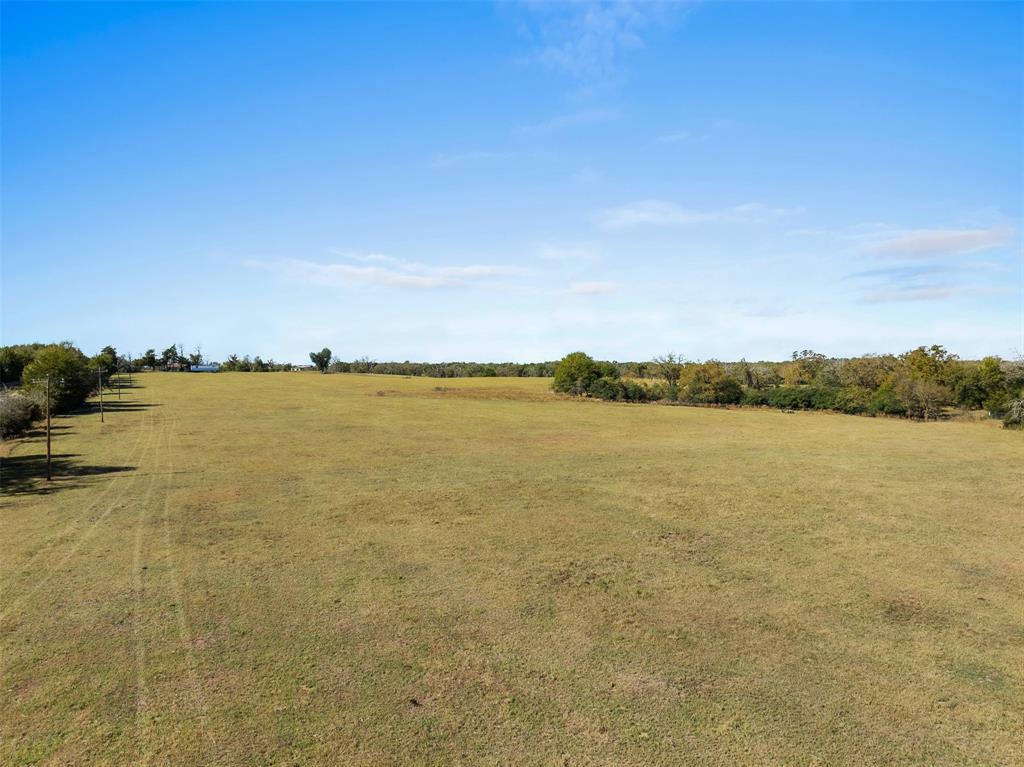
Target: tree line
x: 72, y: 375
x: 923, y: 383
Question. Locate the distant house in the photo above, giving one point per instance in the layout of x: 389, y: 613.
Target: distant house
x: 210, y: 367
x: 303, y: 367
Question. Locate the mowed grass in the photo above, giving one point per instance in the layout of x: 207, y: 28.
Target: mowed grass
x: 247, y: 569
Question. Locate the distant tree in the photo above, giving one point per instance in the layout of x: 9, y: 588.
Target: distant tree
x: 922, y: 398
x: 148, y: 359
x: 196, y: 357
x: 322, y: 359
x: 169, y: 356
x: 668, y: 366
x: 106, y: 361
x: 868, y: 372
x: 109, y: 355
x: 804, y: 367
x: 933, y: 363
x: 575, y: 373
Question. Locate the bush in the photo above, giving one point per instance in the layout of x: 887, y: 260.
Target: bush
x: 754, y: 397
x: 823, y: 397
x: 884, y: 401
x: 634, y: 392
x: 998, y: 403
x: 853, y: 400
x: 789, y: 398
x: 605, y: 388
x: 711, y: 384
x: 1014, y: 418
x: 16, y: 413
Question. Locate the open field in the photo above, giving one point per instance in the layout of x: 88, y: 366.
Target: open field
x: 295, y: 569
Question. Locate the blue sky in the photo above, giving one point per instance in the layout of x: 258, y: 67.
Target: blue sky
x: 514, y: 181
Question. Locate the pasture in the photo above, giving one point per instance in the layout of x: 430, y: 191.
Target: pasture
x: 243, y: 569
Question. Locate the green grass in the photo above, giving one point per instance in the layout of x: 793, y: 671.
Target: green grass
x: 302, y: 569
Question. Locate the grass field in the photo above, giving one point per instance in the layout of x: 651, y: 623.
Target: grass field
x: 247, y: 569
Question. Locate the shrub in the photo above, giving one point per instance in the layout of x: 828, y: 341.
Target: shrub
x: 575, y: 373
x: 634, y: 392
x: 754, y: 397
x: 853, y: 400
x: 884, y: 401
x: 662, y: 391
x: 998, y: 403
x: 605, y: 388
x: 789, y: 398
x: 16, y: 413
x: 711, y: 384
x: 822, y: 397
x: 1014, y: 418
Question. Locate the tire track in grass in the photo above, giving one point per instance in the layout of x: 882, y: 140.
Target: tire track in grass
x: 184, y: 630
x: 132, y: 455
x: 83, y: 538
x: 143, y: 726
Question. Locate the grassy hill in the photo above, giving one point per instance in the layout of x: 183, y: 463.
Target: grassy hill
x: 297, y: 569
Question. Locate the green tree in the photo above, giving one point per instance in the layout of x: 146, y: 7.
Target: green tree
x: 933, y: 364
x: 106, y: 361
x: 70, y: 377
x: 169, y: 356
x: 867, y: 372
x: 805, y: 367
x: 13, y: 360
x: 149, y: 359
x: 322, y: 359
x: 575, y: 373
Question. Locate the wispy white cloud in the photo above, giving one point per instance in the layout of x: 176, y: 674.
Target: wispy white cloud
x: 593, y: 288
x: 592, y: 116
x: 920, y: 282
x: 586, y: 39
x: 929, y: 293
x: 664, y: 213
x: 931, y: 243
x: 387, y: 271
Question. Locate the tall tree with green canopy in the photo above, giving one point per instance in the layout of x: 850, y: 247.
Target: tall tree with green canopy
x: 575, y: 373
x: 322, y: 359
x: 70, y: 377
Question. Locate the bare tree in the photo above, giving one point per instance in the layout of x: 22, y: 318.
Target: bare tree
x: 669, y: 366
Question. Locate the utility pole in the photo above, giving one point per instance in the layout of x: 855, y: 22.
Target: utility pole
x: 99, y: 378
x: 49, y: 474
